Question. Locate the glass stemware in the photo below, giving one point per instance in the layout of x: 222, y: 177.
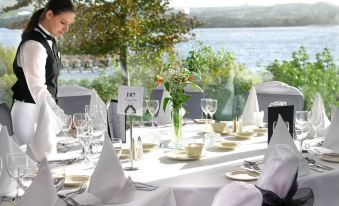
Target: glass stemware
x: 64, y: 123
x: 153, y: 106
x: 213, y: 107
x: 16, y: 164
x: 205, y: 104
x: 80, y: 121
x: 301, y: 126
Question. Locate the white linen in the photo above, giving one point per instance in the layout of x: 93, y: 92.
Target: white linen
x: 108, y: 180
x: 42, y: 191
x: 238, y: 194
x: 164, y: 117
x: 331, y: 140
x: 281, y: 135
x: 279, y: 171
x: 44, y: 141
x: 251, y: 114
x: 8, y: 146
x: 319, y: 120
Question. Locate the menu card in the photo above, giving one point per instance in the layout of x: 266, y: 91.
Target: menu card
x: 286, y: 112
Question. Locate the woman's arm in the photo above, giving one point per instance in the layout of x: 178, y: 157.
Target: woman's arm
x: 32, y: 59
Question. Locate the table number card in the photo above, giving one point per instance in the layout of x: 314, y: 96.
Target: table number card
x: 130, y: 100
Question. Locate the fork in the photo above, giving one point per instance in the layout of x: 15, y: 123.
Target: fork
x: 252, y: 164
x: 81, y: 189
x: 317, y: 164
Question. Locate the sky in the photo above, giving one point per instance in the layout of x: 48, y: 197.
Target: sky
x: 223, y: 3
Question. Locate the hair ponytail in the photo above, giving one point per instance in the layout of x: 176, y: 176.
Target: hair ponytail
x: 33, y: 22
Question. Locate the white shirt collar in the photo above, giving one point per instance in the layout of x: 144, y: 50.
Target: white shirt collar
x: 45, y: 30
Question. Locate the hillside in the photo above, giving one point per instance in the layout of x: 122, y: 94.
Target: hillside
x: 242, y: 16
x: 269, y: 16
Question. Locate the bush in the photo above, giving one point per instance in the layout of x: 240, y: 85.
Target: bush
x: 321, y: 76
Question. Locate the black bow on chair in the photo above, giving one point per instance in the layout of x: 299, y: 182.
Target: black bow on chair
x: 294, y: 197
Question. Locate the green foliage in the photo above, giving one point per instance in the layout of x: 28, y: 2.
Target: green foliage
x: 222, y: 78
x: 7, y: 56
x: 321, y: 76
x: 7, y: 77
x: 123, y: 26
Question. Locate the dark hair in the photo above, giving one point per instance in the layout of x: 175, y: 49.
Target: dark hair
x: 56, y: 6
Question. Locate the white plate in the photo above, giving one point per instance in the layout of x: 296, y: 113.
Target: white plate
x: 330, y: 158
x: 246, y: 135
x: 180, y: 155
x: 227, y: 146
x: 76, y: 180
x: 243, y: 175
x: 203, y: 121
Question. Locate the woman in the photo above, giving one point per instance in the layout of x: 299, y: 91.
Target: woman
x: 37, y: 65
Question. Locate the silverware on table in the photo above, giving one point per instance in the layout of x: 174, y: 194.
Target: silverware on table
x: 317, y: 164
x: 252, y: 164
x: 66, y: 196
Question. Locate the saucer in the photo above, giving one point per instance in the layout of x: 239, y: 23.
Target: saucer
x: 203, y: 121
x: 147, y: 147
x: 242, y: 175
x: 180, y: 155
x: 330, y: 158
x: 243, y: 135
x: 225, y: 145
x: 260, y: 131
x: 76, y: 180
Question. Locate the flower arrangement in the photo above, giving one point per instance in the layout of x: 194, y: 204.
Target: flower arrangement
x: 175, y: 84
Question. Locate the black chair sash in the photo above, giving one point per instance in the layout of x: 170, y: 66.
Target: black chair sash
x: 294, y: 197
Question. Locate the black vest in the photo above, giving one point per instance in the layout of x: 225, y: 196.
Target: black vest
x: 53, y: 64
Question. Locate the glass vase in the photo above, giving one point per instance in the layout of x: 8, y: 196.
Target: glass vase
x: 177, y: 120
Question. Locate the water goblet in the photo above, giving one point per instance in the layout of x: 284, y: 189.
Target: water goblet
x: 205, y: 104
x: 80, y: 121
x: 16, y: 165
x: 301, y: 126
x: 153, y: 106
x: 144, y: 108
x: 213, y: 107
x: 64, y: 123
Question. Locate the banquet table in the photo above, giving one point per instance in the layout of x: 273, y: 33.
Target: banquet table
x: 184, y: 183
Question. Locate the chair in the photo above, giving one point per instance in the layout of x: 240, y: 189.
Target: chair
x: 5, y: 118
x: 272, y: 91
x: 116, y: 122
x: 72, y: 99
x: 192, y: 106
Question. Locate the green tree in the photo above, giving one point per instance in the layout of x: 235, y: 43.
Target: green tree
x: 122, y: 27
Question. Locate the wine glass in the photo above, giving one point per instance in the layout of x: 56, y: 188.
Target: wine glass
x: 80, y: 121
x: 16, y: 164
x: 301, y: 126
x: 144, y: 108
x: 153, y: 106
x: 213, y: 107
x: 205, y: 104
x: 64, y: 123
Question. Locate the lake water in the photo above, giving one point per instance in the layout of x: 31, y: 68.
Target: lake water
x: 251, y: 46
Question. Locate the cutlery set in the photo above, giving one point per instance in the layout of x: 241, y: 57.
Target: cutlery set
x: 316, y: 166
x: 144, y: 186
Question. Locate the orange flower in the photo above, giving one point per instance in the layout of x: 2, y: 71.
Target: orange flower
x: 159, y: 80
x: 190, y: 78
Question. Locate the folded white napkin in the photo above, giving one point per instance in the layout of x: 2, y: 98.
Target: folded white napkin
x: 44, y: 141
x: 251, y: 114
x: 331, y: 140
x: 108, y: 180
x: 279, y: 171
x: 319, y: 120
x: 7, y: 146
x: 98, y: 108
x: 164, y: 117
x: 281, y: 135
x: 238, y: 194
x: 42, y: 191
